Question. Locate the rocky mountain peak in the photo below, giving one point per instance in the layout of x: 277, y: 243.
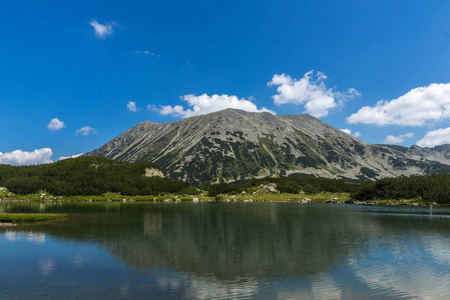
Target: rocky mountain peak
x: 232, y: 144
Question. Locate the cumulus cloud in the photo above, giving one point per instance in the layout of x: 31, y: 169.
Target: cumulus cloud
x: 309, y: 91
x: 73, y: 156
x: 205, y: 104
x: 55, y: 124
x: 349, y: 132
x: 86, y: 130
x: 392, y: 139
x: 102, y: 30
x: 436, y: 137
x: 19, y: 157
x: 131, y: 106
x: 415, y: 108
x: 146, y: 52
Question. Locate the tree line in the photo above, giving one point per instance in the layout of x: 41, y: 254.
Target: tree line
x: 98, y: 175
x: 86, y: 176
x: 431, y: 188
x: 293, y: 185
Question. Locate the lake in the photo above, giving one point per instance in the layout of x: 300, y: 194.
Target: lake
x: 227, y: 250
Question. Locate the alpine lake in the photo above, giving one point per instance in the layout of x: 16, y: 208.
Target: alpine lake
x: 146, y: 250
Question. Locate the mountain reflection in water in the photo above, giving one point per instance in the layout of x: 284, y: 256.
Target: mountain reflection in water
x: 258, y: 250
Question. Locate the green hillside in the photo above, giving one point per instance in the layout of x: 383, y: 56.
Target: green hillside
x: 431, y: 188
x: 86, y: 176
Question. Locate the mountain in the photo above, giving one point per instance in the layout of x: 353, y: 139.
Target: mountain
x: 233, y: 145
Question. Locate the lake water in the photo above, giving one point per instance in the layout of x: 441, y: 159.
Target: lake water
x: 227, y: 250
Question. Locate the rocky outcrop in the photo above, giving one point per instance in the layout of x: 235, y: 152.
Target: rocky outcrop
x: 152, y: 172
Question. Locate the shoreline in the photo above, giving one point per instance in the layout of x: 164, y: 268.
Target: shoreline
x: 402, y: 202
x: 26, y: 218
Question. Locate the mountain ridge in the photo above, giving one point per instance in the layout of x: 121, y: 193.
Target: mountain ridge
x: 232, y: 145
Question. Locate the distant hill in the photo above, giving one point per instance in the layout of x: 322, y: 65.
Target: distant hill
x: 88, y: 176
x: 232, y: 145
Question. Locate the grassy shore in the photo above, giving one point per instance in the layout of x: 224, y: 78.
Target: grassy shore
x: 22, y: 217
x: 323, y: 197
x: 252, y: 195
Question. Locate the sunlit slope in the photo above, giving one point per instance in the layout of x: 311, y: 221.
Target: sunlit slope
x: 232, y: 144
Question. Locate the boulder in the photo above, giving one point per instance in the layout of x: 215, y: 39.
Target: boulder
x: 272, y: 189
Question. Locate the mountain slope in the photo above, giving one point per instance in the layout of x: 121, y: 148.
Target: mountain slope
x: 232, y: 144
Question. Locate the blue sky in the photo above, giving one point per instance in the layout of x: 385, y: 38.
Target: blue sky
x: 75, y: 74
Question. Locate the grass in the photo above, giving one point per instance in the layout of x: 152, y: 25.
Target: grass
x: 414, y: 201
x: 268, y: 197
x: 22, y: 217
x: 257, y: 197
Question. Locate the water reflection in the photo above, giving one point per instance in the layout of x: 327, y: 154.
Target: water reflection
x: 78, y: 261
x: 37, y: 238
x: 255, y: 250
x: 152, y: 223
x: 235, y: 241
x: 208, y: 287
x: 46, y: 265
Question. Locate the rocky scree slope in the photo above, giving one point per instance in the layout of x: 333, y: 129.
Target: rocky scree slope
x: 232, y: 145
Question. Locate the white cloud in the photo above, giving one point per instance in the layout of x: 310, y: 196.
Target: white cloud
x: 131, y: 106
x: 205, y: 104
x: 392, y: 139
x: 310, y: 92
x: 19, y: 157
x: 145, y: 52
x: 102, y: 30
x: 55, y: 124
x: 86, y: 130
x: 152, y: 107
x: 436, y: 137
x: 349, y: 132
x: 415, y: 108
x: 73, y: 156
